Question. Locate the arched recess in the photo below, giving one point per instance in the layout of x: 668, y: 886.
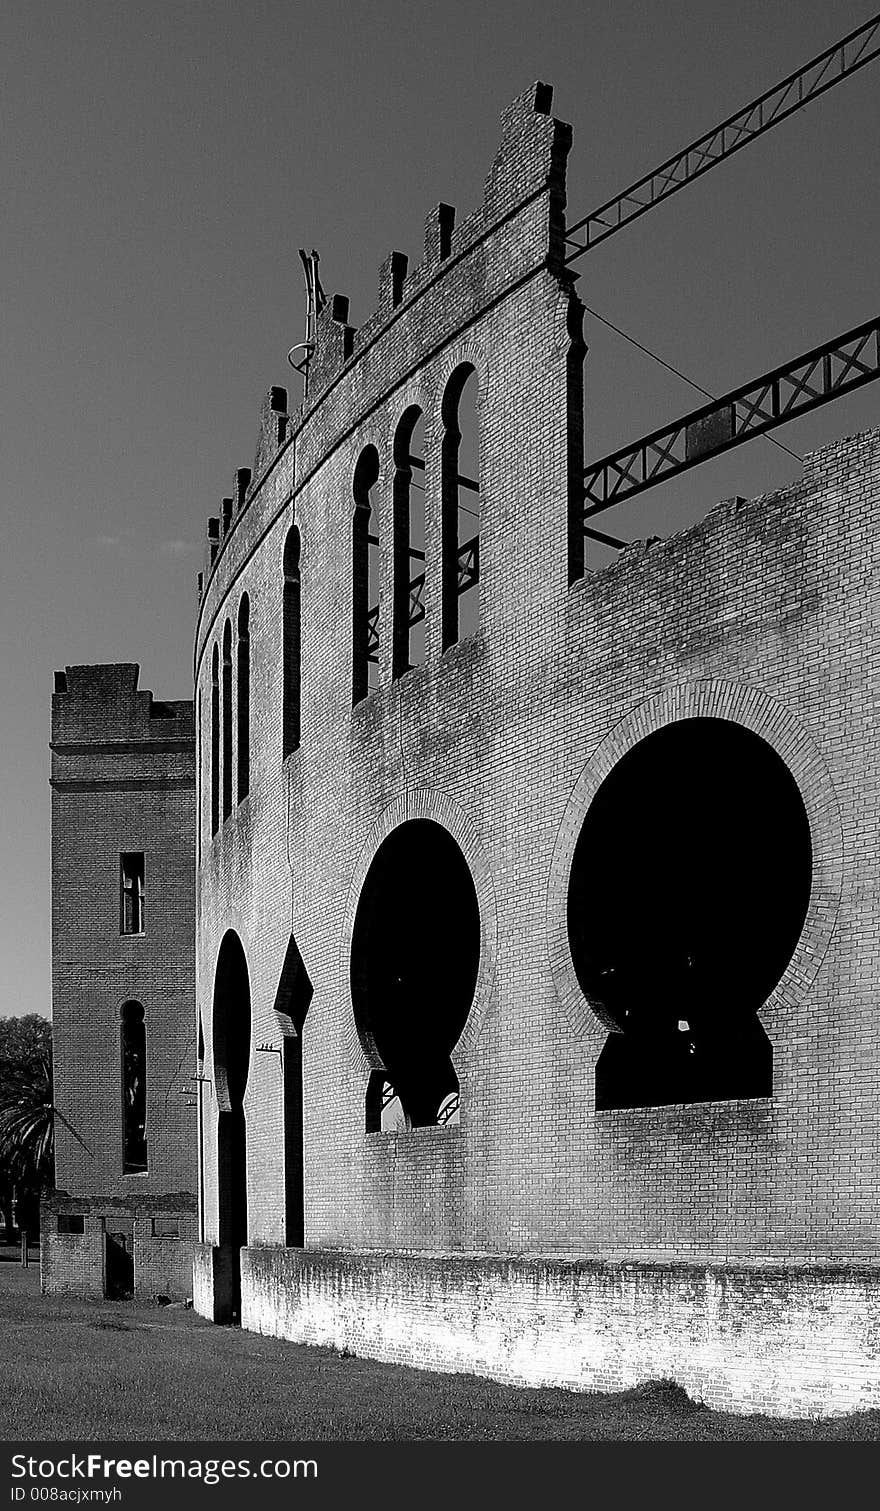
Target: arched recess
x: 709, y: 817
x: 291, y: 647
x: 133, y: 1041
x: 408, y: 555
x: 292, y: 1001
x: 231, y: 1052
x: 215, y: 740
x: 227, y: 719
x: 461, y: 505
x: 365, y: 580
x: 200, y: 1087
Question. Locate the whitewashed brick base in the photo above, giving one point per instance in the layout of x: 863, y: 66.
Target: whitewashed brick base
x: 790, y: 1343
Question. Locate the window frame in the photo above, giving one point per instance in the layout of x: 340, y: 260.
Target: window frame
x: 136, y: 893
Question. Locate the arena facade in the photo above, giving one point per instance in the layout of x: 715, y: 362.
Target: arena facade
x: 537, y: 906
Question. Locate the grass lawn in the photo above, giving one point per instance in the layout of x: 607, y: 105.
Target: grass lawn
x: 115, y: 1370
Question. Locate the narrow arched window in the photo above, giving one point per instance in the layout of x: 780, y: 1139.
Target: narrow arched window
x: 410, y: 606
x: 200, y: 1081
x: 200, y: 756
x: 461, y: 506
x: 292, y: 644
x: 215, y: 741
x: 227, y: 719
x: 134, y: 1088
x: 243, y: 691
x: 365, y: 578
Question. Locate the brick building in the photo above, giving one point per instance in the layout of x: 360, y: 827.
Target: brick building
x: 123, y: 1216
x: 538, y: 928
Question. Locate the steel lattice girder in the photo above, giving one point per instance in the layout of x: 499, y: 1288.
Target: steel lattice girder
x: 811, y: 81
x: 803, y: 384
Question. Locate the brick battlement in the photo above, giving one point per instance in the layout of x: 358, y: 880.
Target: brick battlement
x: 418, y: 311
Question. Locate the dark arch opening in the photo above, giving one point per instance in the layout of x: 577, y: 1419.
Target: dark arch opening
x: 134, y: 1088
x: 408, y: 645
x: 215, y: 740
x: 414, y: 960
x: 227, y: 719
x: 291, y: 647
x: 292, y: 1001
x: 461, y: 505
x: 243, y: 693
x: 232, y: 1049
x: 689, y: 888
x: 365, y: 577
x: 200, y: 1085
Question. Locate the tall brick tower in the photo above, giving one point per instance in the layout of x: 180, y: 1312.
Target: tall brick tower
x: 123, y: 784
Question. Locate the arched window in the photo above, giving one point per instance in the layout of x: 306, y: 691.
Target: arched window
x: 134, y: 1088
x: 227, y: 719
x: 243, y: 689
x: 215, y: 741
x: 200, y: 731
x: 200, y: 1081
x: 231, y: 1033
x: 365, y: 578
x: 408, y: 638
x: 292, y: 646
x: 461, y: 506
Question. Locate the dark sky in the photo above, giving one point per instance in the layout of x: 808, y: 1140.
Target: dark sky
x: 159, y: 167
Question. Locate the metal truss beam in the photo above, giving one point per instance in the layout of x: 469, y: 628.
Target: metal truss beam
x: 803, y: 384
x: 811, y: 81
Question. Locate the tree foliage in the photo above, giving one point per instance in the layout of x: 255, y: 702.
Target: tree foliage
x: 26, y: 1108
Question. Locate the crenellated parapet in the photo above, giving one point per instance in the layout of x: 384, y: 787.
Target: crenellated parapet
x: 334, y: 342
x: 274, y: 428
x: 467, y: 264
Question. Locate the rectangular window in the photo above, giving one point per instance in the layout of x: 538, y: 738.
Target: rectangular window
x: 131, y: 893
x: 69, y: 1222
x: 166, y: 1227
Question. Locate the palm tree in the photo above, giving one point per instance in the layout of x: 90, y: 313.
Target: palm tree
x: 27, y: 1135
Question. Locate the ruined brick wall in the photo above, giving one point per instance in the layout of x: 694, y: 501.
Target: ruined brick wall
x: 761, y: 615
x: 139, y: 1244
x: 122, y: 782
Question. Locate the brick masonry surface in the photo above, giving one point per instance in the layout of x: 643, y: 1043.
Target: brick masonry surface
x: 77, y: 1263
x: 123, y: 780
x: 789, y: 1342
x: 763, y: 614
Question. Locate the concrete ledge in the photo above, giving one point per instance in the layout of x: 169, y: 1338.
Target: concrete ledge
x: 788, y: 1342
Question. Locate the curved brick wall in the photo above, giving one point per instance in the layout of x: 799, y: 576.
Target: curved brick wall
x: 761, y: 614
